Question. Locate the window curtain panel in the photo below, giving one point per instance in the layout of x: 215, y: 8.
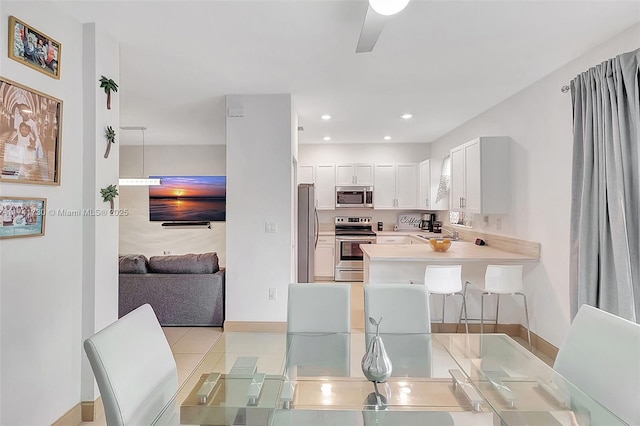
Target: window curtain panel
x: 605, y: 230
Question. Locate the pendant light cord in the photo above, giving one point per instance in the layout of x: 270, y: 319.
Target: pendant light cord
x: 142, y: 176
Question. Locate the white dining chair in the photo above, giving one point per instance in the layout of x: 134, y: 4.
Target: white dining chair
x: 318, y: 327
x: 403, y: 307
x: 313, y: 307
x: 134, y: 368
x: 503, y: 280
x: 446, y: 280
x: 601, y: 356
x: 405, y: 326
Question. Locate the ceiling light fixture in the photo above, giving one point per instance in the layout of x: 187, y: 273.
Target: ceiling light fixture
x: 141, y: 181
x: 327, y: 138
x: 387, y: 138
x: 326, y: 117
x: 407, y: 116
x: 388, y: 7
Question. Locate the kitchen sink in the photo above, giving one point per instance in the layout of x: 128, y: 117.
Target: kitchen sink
x: 429, y: 237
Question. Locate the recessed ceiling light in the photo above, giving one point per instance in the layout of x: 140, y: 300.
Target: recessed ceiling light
x: 407, y: 116
x: 327, y: 138
x: 387, y: 138
x: 326, y: 117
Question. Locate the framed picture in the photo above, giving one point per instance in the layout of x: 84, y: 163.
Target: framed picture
x: 22, y: 217
x: 30, y: 125
x: 33, y: 48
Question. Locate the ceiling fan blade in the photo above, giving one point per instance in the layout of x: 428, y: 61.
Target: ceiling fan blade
x: 371, y: 29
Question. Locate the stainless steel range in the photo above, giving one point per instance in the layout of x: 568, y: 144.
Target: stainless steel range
x: 350, y: 233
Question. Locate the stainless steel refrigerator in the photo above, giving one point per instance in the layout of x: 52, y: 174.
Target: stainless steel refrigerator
x: 307, y: 232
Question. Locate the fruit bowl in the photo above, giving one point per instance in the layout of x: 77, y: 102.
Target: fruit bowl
x: 440, y: 244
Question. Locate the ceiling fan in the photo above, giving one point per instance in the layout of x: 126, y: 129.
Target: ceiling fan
x: 378, y: 13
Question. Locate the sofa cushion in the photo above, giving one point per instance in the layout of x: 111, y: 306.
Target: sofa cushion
x: 204, y: 263
x: 133, y: 264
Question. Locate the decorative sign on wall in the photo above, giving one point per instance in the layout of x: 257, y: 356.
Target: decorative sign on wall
x: 408, y: 221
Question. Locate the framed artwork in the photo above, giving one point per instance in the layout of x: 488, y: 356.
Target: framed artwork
x: 30, y: 135
x: 22, y: 217
x: 33, y: 48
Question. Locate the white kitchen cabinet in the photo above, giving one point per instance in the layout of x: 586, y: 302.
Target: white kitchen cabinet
x: 325, y: 186
x: 396, y: 186
x: 480, y: 176
x: 392, y: 239
x: 429, y: 172
x: 324, y: 261
x: 354, y: 174
x: 306, y: 174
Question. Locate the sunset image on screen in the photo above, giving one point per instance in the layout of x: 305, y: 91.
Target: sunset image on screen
x: 188, y: 198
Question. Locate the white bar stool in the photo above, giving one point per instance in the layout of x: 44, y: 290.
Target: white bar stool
x: 447, y: 281
x: 499, y: 280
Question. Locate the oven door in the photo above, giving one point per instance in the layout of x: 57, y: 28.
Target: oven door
x: 349, y: 257
x: 348, y: 252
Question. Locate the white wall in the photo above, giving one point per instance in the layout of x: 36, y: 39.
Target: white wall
x: 41, y: 278
x: 137, y: 233
x: 539, y: 119
x: 101, y: 57
x: 259, y: 156
x: 363, y: 153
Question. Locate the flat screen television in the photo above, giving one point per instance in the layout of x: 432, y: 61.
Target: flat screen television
x: 188, y: 199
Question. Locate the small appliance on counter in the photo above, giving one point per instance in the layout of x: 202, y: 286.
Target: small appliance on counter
x: 426, y: 221
x: 437, y: 227
x: 380, y: 226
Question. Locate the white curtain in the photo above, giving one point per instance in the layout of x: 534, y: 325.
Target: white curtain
x: 605, y: 225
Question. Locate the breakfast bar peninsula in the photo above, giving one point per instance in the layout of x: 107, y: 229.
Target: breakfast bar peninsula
x: 406, y: 263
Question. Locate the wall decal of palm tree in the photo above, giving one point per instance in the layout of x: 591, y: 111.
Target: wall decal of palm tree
x: 110, y: 134
x: 109, y: 86
x: 109, y: 194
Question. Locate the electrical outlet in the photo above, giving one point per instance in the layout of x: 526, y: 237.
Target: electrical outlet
x: 167, y: 252
x: 498, y: 224
x: 486, y: 219
x: 273, y: 293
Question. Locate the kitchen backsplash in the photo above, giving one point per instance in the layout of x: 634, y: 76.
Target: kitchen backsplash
x: 387, y: 217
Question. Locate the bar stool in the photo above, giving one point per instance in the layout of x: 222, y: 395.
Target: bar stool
x: 499, y: 280
x: 447, y: 281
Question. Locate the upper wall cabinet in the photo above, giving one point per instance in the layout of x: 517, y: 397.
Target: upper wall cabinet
x: 354, y: 174
x: 396, y: 186
x: 429, y: 181
x: 306, y: 174
x: 480, y: 176
x: 325, y: 186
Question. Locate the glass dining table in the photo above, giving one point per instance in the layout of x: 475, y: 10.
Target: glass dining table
x: 299, y: 379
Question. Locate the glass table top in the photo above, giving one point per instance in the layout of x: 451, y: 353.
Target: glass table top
x: 275, y: 379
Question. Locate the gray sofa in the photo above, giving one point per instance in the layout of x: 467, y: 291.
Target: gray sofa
x: 184, y: 290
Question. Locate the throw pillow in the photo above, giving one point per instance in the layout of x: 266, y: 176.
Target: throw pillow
x: 133, y: 264
x: 204, y: 263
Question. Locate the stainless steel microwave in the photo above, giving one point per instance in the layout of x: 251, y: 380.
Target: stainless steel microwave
x: 354, y: 197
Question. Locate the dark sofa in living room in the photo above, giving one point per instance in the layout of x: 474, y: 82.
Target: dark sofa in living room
x: 184, y: 290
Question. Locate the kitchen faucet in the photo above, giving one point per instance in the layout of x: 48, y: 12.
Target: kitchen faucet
x: 453, y: 232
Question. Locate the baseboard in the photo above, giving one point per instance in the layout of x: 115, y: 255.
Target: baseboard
x: 256, y: 326
x: 513, y: 330
x: 73, y: 417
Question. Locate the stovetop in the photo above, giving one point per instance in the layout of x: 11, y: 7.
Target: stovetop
x: 353, y: 225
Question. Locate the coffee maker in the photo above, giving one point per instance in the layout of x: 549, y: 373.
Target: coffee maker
x: 426, y: 221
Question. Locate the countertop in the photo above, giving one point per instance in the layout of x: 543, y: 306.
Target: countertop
x: 460, y: 251
x: 330, y: 232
